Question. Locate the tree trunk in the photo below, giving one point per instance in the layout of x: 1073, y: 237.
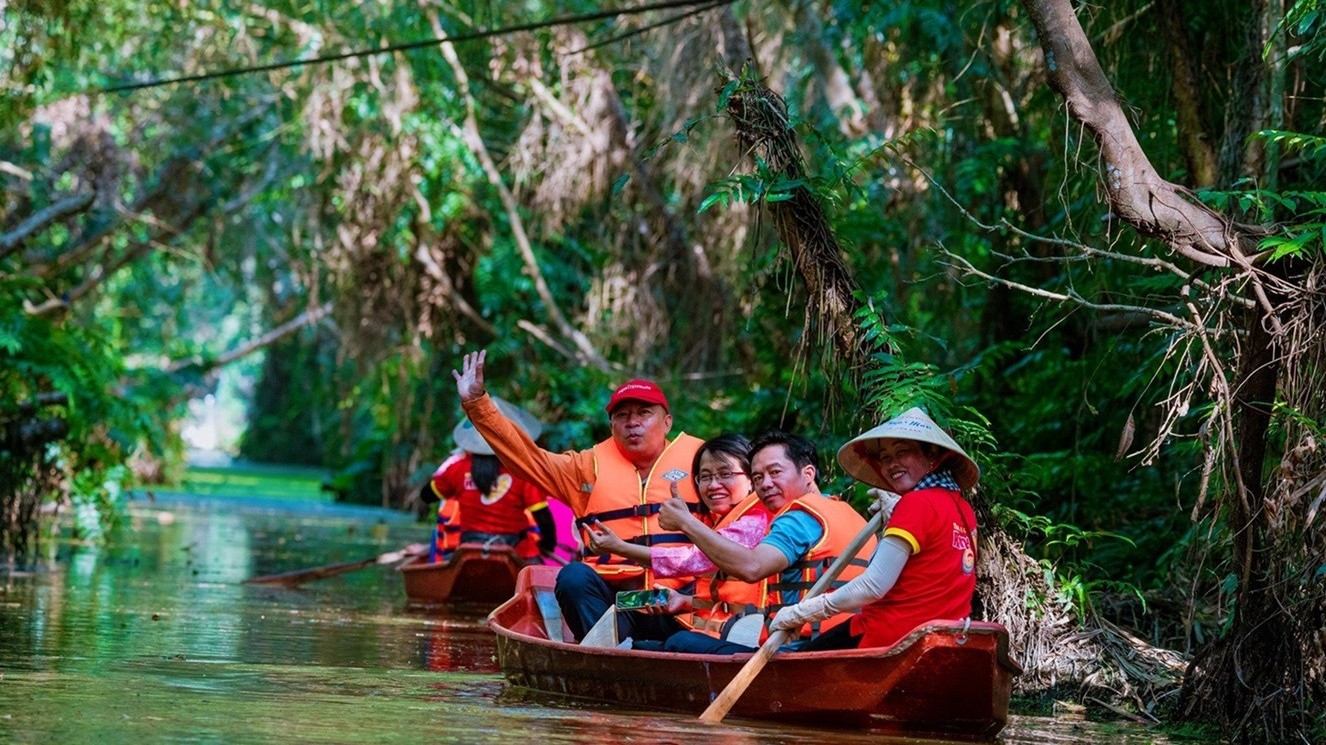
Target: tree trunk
x: 1259, y: 681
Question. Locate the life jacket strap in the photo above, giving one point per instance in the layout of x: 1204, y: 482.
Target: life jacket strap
x: 654, y: 539
x: 648, y: 509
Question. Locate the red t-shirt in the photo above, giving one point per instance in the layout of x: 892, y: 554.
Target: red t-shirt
x: 502, y: 510
x: 938, y: 579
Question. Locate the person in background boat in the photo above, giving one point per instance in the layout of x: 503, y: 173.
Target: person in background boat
x: 482, y: 502
x: 925, y: 568
x: 619, y: 483
x: 722, y: 476
x: 808, y: 532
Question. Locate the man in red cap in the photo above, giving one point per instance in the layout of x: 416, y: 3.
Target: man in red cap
x: 619, y: 483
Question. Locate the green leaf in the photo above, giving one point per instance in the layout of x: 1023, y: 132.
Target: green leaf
x: 712, y: 199
x: 726, y: 93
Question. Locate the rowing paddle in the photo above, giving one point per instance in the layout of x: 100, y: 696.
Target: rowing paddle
x: 299, y: 576
x: 720, y: 706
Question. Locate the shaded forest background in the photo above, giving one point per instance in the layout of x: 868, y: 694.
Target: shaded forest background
x: 574, y: 196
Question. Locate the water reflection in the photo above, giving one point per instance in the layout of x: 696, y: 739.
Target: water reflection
x: 156, y: 638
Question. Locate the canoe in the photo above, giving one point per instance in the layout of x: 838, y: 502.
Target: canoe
x: 943, y: 678
x: 473, y: 573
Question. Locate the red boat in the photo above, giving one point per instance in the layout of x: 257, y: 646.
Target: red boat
x: 474, y: 572
x: 943, y: 678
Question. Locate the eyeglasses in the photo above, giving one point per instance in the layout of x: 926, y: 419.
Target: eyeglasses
x: 705, y: 478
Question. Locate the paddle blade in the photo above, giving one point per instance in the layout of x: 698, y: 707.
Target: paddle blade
x: 300, y: 576
x: 551, y: 612
x: 723, y: 703
x: 604, y: 632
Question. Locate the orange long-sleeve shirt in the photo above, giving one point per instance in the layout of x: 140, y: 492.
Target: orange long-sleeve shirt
x: 566, y: 476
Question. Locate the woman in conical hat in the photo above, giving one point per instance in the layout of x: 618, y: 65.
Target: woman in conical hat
x: 495, y: 506
x: 859, y: 457
x: 925, y: 568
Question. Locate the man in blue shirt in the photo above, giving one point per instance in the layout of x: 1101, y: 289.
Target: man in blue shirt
x: 784, y: 469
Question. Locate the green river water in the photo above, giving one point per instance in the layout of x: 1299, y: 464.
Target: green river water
x: 155, y: 638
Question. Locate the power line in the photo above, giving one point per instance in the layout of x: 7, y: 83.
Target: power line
x: 412, y: 45
x: 708, y: 5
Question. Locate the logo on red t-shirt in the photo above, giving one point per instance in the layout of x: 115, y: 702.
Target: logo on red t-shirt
x: 962, y: 541
x: 500, y: 487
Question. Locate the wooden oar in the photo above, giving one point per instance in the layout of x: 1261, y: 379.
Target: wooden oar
x: 720, y: 706
x: 299, y: 576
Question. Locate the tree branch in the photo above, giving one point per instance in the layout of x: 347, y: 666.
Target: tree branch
x: 1160, y: 315
x: 204, y: 364
x: 100, y: 273
x: 10, y: 242
x: 469, y: 133
x: 1136, y: 192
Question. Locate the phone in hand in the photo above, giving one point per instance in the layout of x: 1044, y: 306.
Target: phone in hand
x: 637, y: 599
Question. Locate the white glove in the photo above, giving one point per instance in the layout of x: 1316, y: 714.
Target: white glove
x: 883, y: 501
x: 795, y: 616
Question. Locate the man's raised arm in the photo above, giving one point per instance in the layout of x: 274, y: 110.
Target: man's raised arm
x: 558, y: 474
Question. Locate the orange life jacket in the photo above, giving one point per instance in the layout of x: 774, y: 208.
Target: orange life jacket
x: 841, y: 524
x: 719, y: 597
x: 446, y: 537
x: 621, y: 501
x: 528, y: 548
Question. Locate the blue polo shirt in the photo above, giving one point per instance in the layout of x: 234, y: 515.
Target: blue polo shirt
x: 794, y: 533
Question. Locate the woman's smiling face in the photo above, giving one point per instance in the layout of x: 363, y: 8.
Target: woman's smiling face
x: 721, y: 482
x: 902, y: 463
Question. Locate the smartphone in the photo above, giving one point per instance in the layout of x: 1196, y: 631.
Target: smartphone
x: 637, y: 599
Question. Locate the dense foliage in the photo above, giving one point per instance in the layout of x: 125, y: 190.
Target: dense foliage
x: 571, y: 198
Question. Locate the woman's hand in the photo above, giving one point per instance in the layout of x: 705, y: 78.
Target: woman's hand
x: 884, y: 501
x: 675, y: 603
x: 674, y: 513
x: 602, y: 540
x: 794, y: 617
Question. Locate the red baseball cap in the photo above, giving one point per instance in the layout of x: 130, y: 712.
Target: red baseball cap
x: 637, y: 390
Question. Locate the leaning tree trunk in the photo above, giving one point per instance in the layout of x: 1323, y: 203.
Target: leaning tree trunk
x: 1263, y: 679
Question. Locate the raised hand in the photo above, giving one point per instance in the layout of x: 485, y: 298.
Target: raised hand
x: 883, y: 501
x: 469, y: 381
x: 674, y: 513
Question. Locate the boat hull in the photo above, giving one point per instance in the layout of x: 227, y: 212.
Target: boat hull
x: 473, y: 573
x: 940, y: 679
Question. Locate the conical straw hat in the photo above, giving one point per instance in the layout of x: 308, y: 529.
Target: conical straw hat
x: 912, y: 424
x: 468, y: 438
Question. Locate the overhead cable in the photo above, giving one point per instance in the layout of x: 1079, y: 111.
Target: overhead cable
x: 412, y: 45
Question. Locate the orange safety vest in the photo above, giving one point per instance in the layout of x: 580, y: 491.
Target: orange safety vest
x: 622, y: 502
x: 841, y: 524
x: 718, y: 597
x: 446, y: 537
x: 528, y: 548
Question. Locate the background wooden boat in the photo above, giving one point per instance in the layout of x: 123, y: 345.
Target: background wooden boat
x: 473, y: 573
x: 940, y: 679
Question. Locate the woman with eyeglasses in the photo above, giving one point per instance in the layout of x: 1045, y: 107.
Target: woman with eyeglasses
x: 721, y: 470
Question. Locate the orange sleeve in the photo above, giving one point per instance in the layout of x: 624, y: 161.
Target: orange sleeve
x: 562, y: 475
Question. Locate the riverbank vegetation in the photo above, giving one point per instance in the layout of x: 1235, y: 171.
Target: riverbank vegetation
x: 1090, y: 239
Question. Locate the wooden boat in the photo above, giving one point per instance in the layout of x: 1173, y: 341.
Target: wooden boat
x: 474, y: 572
x: 941, y: 679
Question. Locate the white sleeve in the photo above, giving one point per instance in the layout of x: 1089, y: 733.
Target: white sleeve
x: 874, y: 583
